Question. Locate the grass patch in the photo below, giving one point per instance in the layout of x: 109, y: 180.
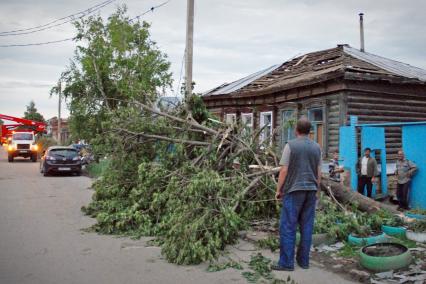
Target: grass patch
x: 406, y: 242
x: 97, y: 169
x: 349, y: 251
x: 271, y: 242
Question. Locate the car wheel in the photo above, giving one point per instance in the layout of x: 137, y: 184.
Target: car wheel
x: 10, y: 158
x: 34, y: 158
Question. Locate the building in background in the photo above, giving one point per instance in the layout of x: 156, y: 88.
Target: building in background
x: 52, y: 129
x: 327, y: 86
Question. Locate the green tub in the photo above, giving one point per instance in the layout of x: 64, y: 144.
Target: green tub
x: 394, y: 231
x: 385, y: 263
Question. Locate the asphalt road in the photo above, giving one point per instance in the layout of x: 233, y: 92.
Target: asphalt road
x: 41, y: 239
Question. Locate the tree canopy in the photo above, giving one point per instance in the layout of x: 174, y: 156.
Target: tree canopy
x: 32, y: 113
x: 115, y: 62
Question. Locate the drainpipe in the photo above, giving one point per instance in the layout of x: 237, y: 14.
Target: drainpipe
x: 361, y: 30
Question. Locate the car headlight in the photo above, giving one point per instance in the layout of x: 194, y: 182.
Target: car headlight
x: 10, y: 147
x: 76, y: 158
x: 50, y: 158
x: 34, y: 147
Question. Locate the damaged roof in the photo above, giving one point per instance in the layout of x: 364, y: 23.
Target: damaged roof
x: 341, y: 61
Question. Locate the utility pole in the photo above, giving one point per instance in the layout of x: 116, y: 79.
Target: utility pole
x: 189, y: 45
x: 59, y: 112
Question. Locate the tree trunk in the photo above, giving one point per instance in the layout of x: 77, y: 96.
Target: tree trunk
x: 346, y: 196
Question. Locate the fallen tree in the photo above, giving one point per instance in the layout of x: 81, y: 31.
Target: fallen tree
x: 346, y: 196
x: 194, y: 184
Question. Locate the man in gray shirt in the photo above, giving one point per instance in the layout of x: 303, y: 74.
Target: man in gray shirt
x: 298, y: 185
x: 405, y: 169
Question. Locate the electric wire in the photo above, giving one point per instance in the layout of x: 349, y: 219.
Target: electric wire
x: 72, y: 16
x: 150, y: 10
x: 69, y: 39
x: 38, y: 43
x: 71, y: 19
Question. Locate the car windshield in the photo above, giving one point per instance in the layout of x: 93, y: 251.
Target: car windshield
x: 22, y: 136
x: 66, y: 153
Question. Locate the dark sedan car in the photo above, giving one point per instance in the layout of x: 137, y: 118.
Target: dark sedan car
x: 60, y: 159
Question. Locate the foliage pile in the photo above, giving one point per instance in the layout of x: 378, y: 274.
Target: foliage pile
x: 187, y: 194
x: 261, y: 270
x: 339, y: 222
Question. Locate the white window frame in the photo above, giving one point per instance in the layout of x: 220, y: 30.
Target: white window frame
x: 229, y: 115
x: 262, y: 124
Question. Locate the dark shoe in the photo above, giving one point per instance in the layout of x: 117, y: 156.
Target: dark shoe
x: 303, y: 266
x: 400, y: 209
x: 281, y: 268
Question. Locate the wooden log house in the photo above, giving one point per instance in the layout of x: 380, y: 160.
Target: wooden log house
x: 328, y: 86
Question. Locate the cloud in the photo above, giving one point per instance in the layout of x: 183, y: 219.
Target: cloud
x: 16, y: 84
x: 232, y: 38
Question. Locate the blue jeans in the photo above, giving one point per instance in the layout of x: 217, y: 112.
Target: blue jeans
x: 298, y: 209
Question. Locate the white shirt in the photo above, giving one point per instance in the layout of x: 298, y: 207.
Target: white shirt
x: 364, y: 163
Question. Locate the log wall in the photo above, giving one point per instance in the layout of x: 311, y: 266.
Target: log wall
x: 383, y: 108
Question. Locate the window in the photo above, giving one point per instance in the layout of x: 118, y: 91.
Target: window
x: 63, y: 153
x: 288, y: 122
x: 230, y: 118
x: 315, y: 115
x: 266, y: 125
x: 247, y: 123
x: 247, y: 120
x: 22, y: 136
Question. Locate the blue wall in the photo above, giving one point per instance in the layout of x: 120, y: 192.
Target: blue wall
x: 348, y: 150
x: 414, y: 146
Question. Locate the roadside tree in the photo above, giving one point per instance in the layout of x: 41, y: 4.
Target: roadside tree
x: 32, y: 114
x: 115, y: 62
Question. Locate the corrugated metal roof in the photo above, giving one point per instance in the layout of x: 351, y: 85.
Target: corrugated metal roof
x: 236, y: 85
x: 396, y: 67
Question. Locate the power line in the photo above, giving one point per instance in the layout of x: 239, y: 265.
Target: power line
x: 150, y: 10
x: 39, y: 43
x: 50, y: 26
x: 72, y: 16
x: 68, y: 39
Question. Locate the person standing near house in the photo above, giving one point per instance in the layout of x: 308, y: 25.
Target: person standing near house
x: 298, y: 184
x: 334, y: 169
x: 367, y: 172
x: 405, y: 169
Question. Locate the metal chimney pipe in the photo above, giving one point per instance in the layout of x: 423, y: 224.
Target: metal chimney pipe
x: 361, y: 30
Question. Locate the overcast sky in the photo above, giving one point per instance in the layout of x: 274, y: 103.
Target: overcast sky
x: 232, y: 38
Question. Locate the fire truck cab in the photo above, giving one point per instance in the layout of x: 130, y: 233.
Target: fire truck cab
x: 22, y: 144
